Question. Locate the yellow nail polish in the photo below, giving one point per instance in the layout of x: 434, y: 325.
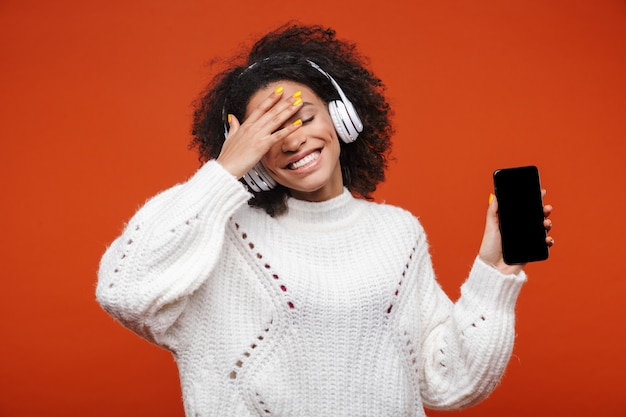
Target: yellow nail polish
x: 230, y: 117
x: 297, y: 102
x: 297, y: 94
x: 490, y: 198
x: 278, y: 90
x: 297, y: 122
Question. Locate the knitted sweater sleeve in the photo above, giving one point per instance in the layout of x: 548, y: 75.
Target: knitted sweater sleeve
x: 465, y: 345
x: 166, y: 251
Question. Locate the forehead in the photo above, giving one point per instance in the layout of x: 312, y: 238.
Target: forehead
x: 290, y: 87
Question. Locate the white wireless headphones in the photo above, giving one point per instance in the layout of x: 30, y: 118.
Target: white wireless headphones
x: 259, y: 179
x: 345, y: 119
x: 347, y: 122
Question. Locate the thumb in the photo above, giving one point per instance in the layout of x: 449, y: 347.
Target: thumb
x: 233, y: 123
x: 490, y: 247
x: 492, y: 222
x: 492, y: 211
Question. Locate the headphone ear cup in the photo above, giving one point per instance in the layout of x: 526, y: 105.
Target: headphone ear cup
x: 258, y: 179
x: 353, y: 116
x: 338, y: 121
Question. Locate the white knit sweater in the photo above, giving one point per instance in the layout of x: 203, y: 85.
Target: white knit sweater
x: 331, y: 309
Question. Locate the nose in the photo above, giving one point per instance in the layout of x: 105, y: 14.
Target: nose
x: 293, y: 142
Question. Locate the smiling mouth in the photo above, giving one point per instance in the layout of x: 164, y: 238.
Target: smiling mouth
x: 304, y: 161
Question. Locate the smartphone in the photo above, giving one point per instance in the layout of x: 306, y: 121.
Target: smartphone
x: 520, y: 213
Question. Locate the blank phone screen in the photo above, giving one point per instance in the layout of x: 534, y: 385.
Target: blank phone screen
x: 520, y: 212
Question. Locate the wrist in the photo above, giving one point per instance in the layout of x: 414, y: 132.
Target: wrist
x: 234, y: 171
x: 503, y: 267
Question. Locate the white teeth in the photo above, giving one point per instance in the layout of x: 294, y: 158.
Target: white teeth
x: 304, y: 161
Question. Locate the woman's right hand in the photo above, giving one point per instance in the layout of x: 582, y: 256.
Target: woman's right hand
x: 247, y: 142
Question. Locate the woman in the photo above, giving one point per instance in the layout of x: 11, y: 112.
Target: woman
x: 277, y: 289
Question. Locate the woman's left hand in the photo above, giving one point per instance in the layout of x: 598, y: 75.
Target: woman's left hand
x: 491, y: 246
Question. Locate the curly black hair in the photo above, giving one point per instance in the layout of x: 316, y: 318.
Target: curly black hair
x: 283, y: 54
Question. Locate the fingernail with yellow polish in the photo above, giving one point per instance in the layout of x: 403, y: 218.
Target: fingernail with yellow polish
x: 297, y: 102
x: 297, y: 122
x: 490, y: 198
x: 278, y: 90
x: 297, y: 94
x: 230, y: 117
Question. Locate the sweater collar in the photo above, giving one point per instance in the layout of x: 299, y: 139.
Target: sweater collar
x: 324, y: 215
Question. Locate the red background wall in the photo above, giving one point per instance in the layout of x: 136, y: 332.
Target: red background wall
x: 95, y: 119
